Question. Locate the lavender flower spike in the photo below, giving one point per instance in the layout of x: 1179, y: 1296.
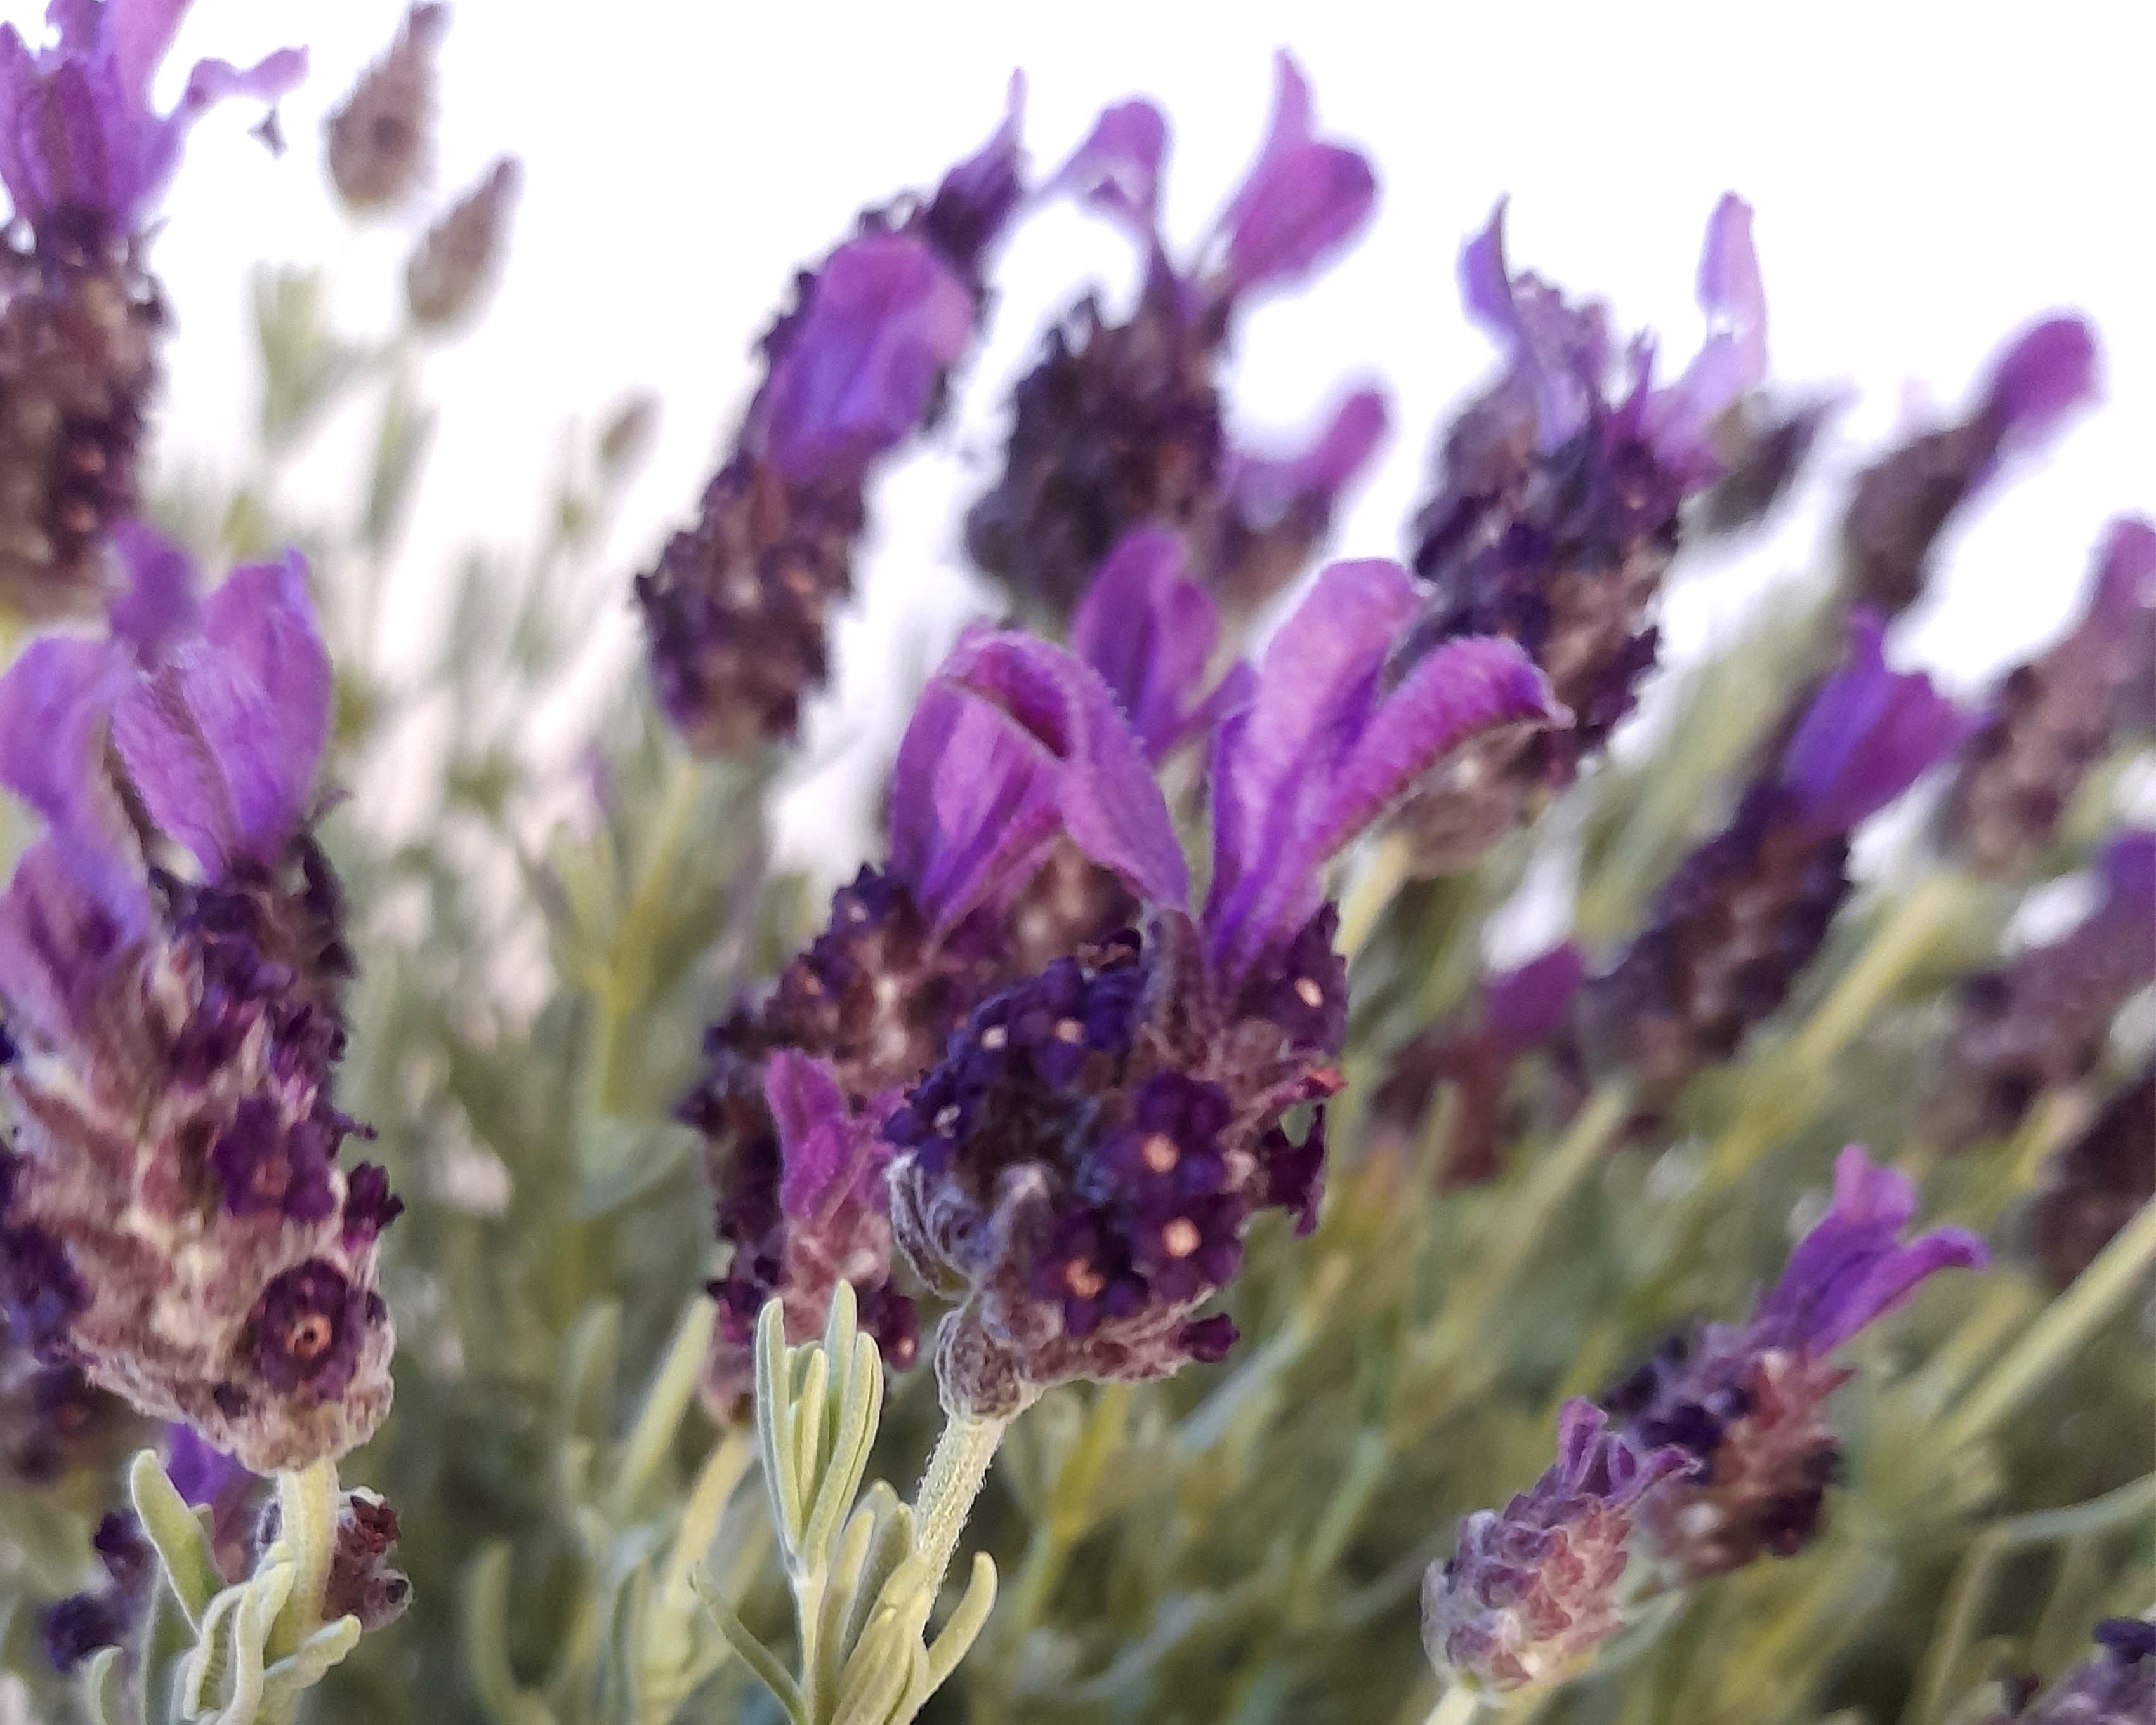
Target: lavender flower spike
x: 2040, y: 1021
x: 1730, y: 931
x: 1531, y: 1591
x: 1747, y: 1404
x: 1902, y: 505
x: 80, y: 146
x: 1122, y: 426
x: 817, y: 1215
x: 2051, y: 718
x: 85, y: 157
x: 172, y: 1217
x: 1556, y: 510
x: 736, y: 607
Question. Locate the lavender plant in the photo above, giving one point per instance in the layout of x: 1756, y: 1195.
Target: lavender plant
x: 1153, y: 1149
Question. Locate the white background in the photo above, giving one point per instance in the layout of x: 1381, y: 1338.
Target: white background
x: 1926, y: 180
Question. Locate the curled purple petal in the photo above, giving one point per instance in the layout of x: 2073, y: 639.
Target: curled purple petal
x: 1302, y: 199
x: 1324, y: 748
x: 223, y: 740
x: 67, y: 913
x: 1150, y: 631
x: 1734, y: 361
x: 160, y: 604
x: 1268, y: 485
x: 1851, y: 1269
x: 1109, y: 805
x: 1559, y: 351
x: 1869, y: 734
x: 1117, y: 168
x: 55, y: 702
x: 973, y: 805
x: 885, y: 318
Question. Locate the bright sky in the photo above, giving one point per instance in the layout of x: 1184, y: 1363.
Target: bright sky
x: 1925, y: 181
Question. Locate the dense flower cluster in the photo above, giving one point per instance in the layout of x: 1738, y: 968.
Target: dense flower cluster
x: 2115, y: 1686
x: 172, y: 1217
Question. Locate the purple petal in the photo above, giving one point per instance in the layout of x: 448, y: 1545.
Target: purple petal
x: 885, y: 318
x: 1117, y: 168
x: 1559, y: 351
x: 160, y: 604
x: 1734, y: 361
x: 2040, y: 378
x: 1150, y: 632
x: 1106, y: 796
x: 2126, y: 574
x: 66, y: 912
x: 200, y: 1473
x: 1869, y: 734
x: 1265, y: 488
x: 977, y: 199
x: 1525, y: 1007
x: 819, y: 1136
x: 1323, y: 748
x: 223, y: 740
x: 55, y: 703
x: 1301, y: 200
x: 137, y: 35
x: 2128, y: 867
x: 1850, y: 1270
x: 973, y: 805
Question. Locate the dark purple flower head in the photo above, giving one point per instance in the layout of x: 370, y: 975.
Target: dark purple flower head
x: 1556, y: 514
x: 77, y: 1626
x: 178, y: 1021
x: 736, y: 607
x: 2041, y: 1019
x: 1121, y: 427
x: 381, y: 140
x: 1747, y: 1404
x: 1327, y: 745
x: 1521, y: 1009
x: 2052, y: 719
x: 1151, y: 633
x: 79, y: 139
x: 1304, y: 198
x: 1531, y: 1591
x: 2116, y: 1686
x: 803, y: 1220
x: 1869, y: 734
x: 2092, y: 1187
x: 1902, y: 505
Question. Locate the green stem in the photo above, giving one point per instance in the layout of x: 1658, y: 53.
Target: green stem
x: 2068, y: 1321
x: 306, y: 1523
x: 1376, y: 884
x: 1456, y: 1706
x: 1924, y: 918
x: 955, y: 1473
